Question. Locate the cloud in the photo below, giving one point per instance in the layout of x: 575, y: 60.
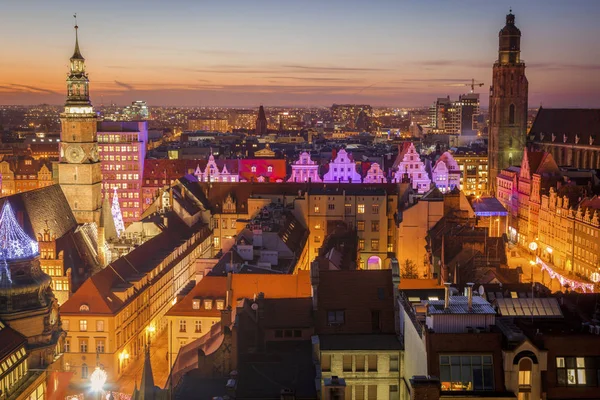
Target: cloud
x: 453, y: 63
x: 309, y: 78
x: 124, y: 85
x: 27, y: 88
x: 332, y: 69
x: 550, y: 66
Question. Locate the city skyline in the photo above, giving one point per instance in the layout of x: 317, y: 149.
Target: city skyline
x: 245, y: 54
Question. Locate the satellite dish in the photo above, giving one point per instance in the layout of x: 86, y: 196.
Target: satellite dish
x: 481, y: 290
x: 254, y: 306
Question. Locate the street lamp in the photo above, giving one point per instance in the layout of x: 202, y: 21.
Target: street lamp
x: 98, y: 379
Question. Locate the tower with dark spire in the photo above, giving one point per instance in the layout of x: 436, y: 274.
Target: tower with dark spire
x: 79, y: 173
x: 147, y: 390
x: 508, y: 103
x: 261, y: 122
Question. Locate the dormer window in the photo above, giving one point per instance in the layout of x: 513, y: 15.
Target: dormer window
x: 208, y: 304
x: 84, y: 308
x: 253, y: 168
x: 220, y: 304
x: 196, y: 304
x: 269, y: 169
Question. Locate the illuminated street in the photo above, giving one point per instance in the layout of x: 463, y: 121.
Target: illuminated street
x: 160, y: 369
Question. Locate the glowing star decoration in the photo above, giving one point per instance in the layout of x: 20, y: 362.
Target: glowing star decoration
x: 15, y: 244
x: 98, y: 379
x: 116, y: 214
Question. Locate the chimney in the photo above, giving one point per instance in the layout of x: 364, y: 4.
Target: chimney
x: 470, y: 296
x: 447, y: 295
x: 424, y: 388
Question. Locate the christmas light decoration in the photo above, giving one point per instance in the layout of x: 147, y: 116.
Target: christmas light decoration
x: 564, y: 281
x: 15, y: 244
x: 116, y: 214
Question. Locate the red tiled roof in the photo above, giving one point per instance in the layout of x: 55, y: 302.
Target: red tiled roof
x: 245, y: 286
x: 214, y: 287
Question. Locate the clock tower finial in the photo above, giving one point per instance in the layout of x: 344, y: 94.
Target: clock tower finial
x: 77, y: 54
x: 77, y: 79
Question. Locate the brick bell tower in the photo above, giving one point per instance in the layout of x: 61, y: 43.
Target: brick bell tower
x: 508, y: 104
x: 79, y: 173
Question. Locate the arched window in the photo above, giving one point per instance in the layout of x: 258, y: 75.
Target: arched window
x: 511, y: 114
x: 525, y: 373
x: 84, y: 307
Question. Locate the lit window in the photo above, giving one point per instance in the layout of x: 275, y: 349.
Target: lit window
x: 220, y: 304
x: 466, y: 372
x: 83, y: 325
x: 100, y: 326
x: 360, y: 226
x: 253, y: 168
x: 84, y: 307
x: 100, y: 345
x: 208, y: 304
x: 198, y: 326
x: 361, y: 208
x: 196, y: 304
x: 317, y: 209
x: 269, y: 169
x: 182, y: 325
x: 361, y: 244
x: 83, y: 345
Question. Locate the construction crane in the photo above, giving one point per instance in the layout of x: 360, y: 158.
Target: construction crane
x: 472, y: 84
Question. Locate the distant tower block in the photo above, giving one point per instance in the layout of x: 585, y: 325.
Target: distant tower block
x: 508, y: 103
x: 261, y: 122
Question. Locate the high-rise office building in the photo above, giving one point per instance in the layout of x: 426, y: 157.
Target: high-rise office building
x: 138, y: 110
x: 508, y: 103
x: 79, y: 173
x: 454, y: 117
x: 122, y: 153
x: 469, y: 111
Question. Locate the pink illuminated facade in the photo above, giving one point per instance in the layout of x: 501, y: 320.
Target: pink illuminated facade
x: 342, y: 169
x: 412, y: 165
x: 122, y: 148
x: 218, y: 171
x: 446, y: 173
x: 375, y: 174
x: 305, y: 170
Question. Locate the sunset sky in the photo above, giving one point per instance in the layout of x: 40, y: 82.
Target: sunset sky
x: 295, y: 52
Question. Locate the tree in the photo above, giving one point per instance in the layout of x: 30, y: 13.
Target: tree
x: 408, y: 270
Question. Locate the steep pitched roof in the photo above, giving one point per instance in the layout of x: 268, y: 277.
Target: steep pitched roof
x: 576, y: 125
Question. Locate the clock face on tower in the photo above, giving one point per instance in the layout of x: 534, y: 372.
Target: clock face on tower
x: 53, y: 316
x: 94, y: 154
x: 74, y: 154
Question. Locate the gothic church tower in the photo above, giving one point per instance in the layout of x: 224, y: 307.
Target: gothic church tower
x: 508, y: 104
x: 79, y: 173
